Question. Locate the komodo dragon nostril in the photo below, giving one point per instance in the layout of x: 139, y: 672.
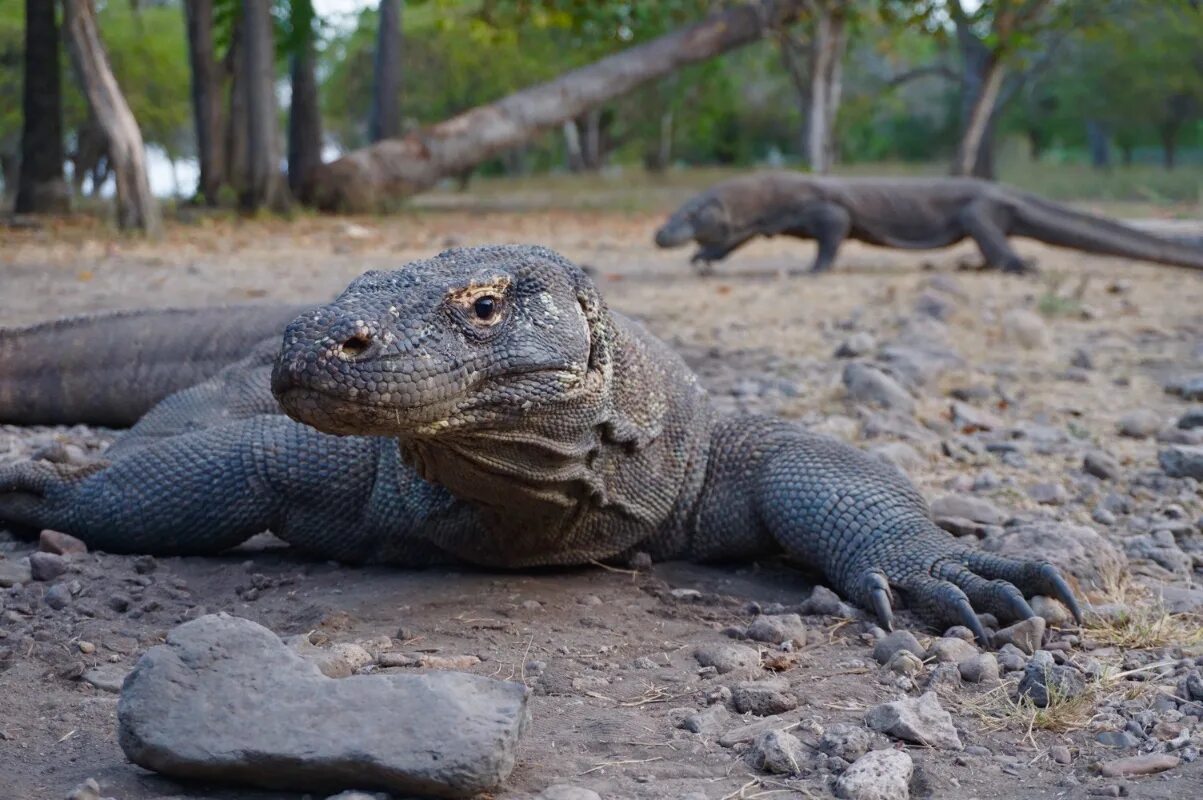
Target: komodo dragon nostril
x: 355, y: 347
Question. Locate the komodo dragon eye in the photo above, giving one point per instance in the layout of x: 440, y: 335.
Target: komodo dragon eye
x: 485, y: 307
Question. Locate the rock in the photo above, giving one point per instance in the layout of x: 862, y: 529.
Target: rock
x: 845, y: 741
x: 1048, y: 493
x: 1026, y: 328
x: 46, y: 566
x: 921, y: 720
x: 1138, y: 765
x: 879, y: 775
x: 981, y: 668
x: 727, y: 657
x: 1189, y: 387
x: 1077, y: 549
x: 106, y: 678
x: 856, y: 345
x: 866, y: 384
x: 224, y: 699
x: 900, y: 454
x: 88, y: 790
x: 336, y: 661
x: 1192, y: 419
x: 1026, y: 634
x: 904, y: 662
x: 564, y: 791
x: 57, y: 596
x: 935, y: 305
x: 14, y: 572
x: 1122, y: 740
x: 897, y: 640
x: 1139, y: 424
x: 1060, y: 753
x: 778, y: 628
x: 778, y: 752
x: 61, y: 544
x: 710, y: 720
x: 748, y: 733
x: 951, y: 650
x: 763, y: 698
x: 970, y: 419
x: 1178, y: 461
x: 1180, y: 599
x: 1052, y: 611
x: 1045, y: 685
x: 1102, y: 465
x: 825, y: 602
x: 1081, y: 359
x: 971, y: 508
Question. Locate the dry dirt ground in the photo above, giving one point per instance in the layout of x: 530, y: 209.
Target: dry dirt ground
x: 609, y: 653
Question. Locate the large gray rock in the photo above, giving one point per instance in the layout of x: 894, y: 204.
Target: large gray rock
x: 966, y: 507
x: 867, y: 384
x: 922, y: 720
x: 879, y: 775
x: 225, y: 699
x: 1182, y: 461
x: 1076, y: 549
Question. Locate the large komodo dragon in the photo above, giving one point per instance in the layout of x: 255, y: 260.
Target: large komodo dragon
x: 907, y: 213
x: 487, y: 406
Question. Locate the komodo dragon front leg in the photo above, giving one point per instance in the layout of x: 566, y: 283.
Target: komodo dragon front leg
x: 987, y: 224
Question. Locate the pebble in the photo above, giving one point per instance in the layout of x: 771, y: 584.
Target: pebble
x: 951, y: 650
x: 748, y: 733
x: 921, y: 720
x: 981, y: 668
x: 1048, y: 493
x: 897, y: 640
x: 846, y: 741
x: 1026, y: 635
x: 778, y: 628
x: 710, y: 720
x: 1139, y: 765
x: 1141, y: 423
x: 856, y: 345
x: 1060, y: 753
x: 1192, y: 419
x: 727, y: 657
x: 1118, y: 739
x: 904, y: 662
x: 13, y: 573
x: 778, y: 752
x: 971, y: 508
x: 281, y: 723
x: 61, y: 544
x: 57, y: 596
x: 879, y: 775
x: 1102, y: 465
x: 1052, y: 611
x: 867, y: 384
x: 1026, y: 328
x: 355, y: 794
x: 763, y: 698
x: 88, y: 790
x: 1180, y: 461
x: 105, y: 678
x: 1044, y: 684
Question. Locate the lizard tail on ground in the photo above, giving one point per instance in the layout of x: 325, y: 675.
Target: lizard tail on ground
x: 109, y: 369
x: 1058, y: 225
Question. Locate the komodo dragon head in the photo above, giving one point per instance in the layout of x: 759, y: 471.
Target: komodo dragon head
x: 466, y: 341
x: 704, y: 219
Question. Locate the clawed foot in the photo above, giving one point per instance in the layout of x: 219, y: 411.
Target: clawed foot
x: 37, y: 494
x: 955, y: 587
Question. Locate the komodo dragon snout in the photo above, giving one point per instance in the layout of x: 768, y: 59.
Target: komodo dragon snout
x: 704, y: 220
x: 460, y: 341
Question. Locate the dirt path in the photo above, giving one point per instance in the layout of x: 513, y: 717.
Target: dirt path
x: 610, y: 654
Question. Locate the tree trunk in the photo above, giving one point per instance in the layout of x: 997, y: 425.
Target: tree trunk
x: 1100, y: 148
x: 826, y: 74
x: 235, y: 136
x: 573, y: 157
x: 664, y: 152
x: 136, y: 206
x: 592, y: 148
x: 263, y: 184
x: 392, y: 168
x: 206, y: 99
x: 384, y: 119
x: 10, y: 165
x: 40, y: 185
x: 1169, y: 145
x: 978, y: 125
x: 304, y: 117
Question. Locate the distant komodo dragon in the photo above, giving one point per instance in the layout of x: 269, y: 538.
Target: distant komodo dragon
x: 907, y: 213
x: 485, y: 405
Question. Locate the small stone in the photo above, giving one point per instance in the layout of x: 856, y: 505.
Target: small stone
x: 355, y: 794
x: 13, y: 573
x: 87, y: 648
x: 1045, y: 684
x: 825, y: 602
x: 778, y: 628
x: 106, y: 678
x: 144, y: 565
x: 224, y: 699
x: 866, y: 384
x: 904, y: 662
x: 981, y: 668
x: 856, y: 345
x: 1048, y: 494
x: 1060, y: 753
x: 921, y: 720
x: 1118, y: 739
x: 57, y: 596
x: 119, y: 603
x: 970, y: 419
x: 763, y: 698
x: 727, y: 657
x: 61, y: 544
x: 1082, y: 359
x: 878, y: 775
x: 971, y: 508
x: 1139, y: 424
x: 1026, y: 328
x: 845, y: 741
x: 88, y: 790
x: 1139, y: 765
x: 778, y: 752
x: 1192, y: 419
x: 897, y: 640
x: 564, y: 791
x: 710, y: 720
x: 1178, y: 461
x: 1102, y: 465
x: 951, y: 650
x: 1026, y: 634
x: 46, y: 566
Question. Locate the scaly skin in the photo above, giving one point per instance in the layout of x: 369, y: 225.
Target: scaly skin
x: 907, y: 213
x: 485, y: 405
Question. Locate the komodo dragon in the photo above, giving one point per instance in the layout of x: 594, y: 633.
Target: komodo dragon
x: 485, y: 405
x: 907, y: 213
x: 109, y: 369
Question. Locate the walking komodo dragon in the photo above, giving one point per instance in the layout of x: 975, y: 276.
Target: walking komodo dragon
x: 907, y: 213
x: 485, y: 405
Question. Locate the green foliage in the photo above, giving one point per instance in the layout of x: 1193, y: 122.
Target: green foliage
x: 12, y: 49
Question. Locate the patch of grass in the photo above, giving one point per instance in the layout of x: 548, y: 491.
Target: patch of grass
x: 1142, y: 621
x: 999, y: 709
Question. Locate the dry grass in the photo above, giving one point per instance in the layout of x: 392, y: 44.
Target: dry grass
x: 1000, y: 710
x: 1143, y: 623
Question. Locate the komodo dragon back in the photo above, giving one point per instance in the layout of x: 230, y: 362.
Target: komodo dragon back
x: 111, y: 368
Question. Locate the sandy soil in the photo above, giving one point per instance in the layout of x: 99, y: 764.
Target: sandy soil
x: 608, y: 653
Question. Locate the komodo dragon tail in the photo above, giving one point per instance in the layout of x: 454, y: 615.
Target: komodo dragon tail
x: 109, y: 369
x: 1055, y: 224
